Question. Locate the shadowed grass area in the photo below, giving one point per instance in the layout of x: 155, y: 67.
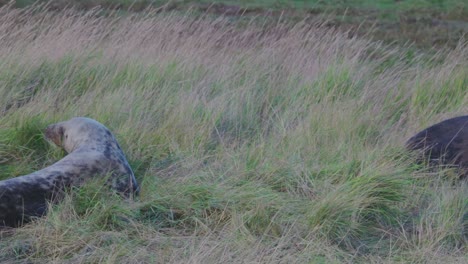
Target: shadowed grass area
x: 273, y: 144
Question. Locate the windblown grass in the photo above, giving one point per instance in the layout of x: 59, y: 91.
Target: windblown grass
x: 274, y: 143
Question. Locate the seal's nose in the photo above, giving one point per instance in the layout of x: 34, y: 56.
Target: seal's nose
x: 48, y: 132
x: 52, y: 135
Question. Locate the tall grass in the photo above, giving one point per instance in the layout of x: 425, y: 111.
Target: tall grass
x: 252, y: 142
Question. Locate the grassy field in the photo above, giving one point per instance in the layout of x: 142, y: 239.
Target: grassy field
x: 425, y: 23
x: 273, y: 143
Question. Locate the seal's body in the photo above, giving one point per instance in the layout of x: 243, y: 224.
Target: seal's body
x: 445, y: 143
x: 92, y: 151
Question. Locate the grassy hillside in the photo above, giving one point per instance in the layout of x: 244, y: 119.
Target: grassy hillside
x: 280, y: 143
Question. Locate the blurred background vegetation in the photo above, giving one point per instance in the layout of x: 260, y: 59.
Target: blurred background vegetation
x: 424, y: 23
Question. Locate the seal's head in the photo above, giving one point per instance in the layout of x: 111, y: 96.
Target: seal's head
x: 77, y: 131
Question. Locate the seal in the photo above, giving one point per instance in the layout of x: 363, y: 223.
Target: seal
x: 445, y: 143
x: 92, y: 151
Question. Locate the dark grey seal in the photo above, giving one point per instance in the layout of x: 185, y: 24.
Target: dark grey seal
x: 445, y: 143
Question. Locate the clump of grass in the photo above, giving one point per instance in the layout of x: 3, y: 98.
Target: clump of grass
x: 23, y: 148
x: 353, y: 211
x: 251, y: 143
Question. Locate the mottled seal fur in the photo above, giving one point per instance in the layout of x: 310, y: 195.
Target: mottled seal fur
x: 92, y: 151
x: 445, y: 143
